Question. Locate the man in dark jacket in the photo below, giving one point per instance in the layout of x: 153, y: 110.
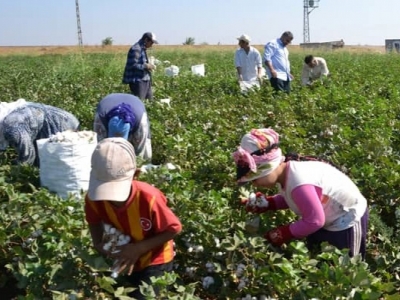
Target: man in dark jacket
x: 138, y: 69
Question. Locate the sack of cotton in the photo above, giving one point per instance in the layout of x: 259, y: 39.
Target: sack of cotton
x: 65, y: 162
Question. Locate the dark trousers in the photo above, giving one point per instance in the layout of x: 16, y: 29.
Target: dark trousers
x: 142, y: 89
x: 136, y: 278
x: 280, y: 85
x: 341, y: 239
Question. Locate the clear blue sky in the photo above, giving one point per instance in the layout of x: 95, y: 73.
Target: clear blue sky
x: 53, y: 22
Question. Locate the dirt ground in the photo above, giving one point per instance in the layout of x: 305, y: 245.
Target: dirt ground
x: 41, y: 50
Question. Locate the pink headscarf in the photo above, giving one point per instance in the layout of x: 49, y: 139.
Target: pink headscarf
x: 251, y: 166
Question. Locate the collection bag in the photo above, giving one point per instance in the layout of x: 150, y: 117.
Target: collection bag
x: 65, y: 163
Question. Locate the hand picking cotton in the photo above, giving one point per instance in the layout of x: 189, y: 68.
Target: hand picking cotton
x: 113, y: 238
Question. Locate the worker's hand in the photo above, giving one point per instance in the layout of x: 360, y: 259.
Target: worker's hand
x: 150, y: 67
x: 240, y: 77
x: 274, y: 74
x: 279, y: 235
x: 257, y: 203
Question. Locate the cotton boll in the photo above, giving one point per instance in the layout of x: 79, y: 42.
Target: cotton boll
x: 210, y: 267
x: 37, y: 233
x: 189, y: 271
x: 199, y: 249
x: 115, y: 268
x: 107, y: 228
x: 170, y: 166
x: 262, y: 201
x: 107, y: 246
x: 240, y: 270
x: 252, y: 197
x: 207, y: 281
x: 242, y: 284
x: 127, y: 239
x: 120, y: 243
x: 112, y: 230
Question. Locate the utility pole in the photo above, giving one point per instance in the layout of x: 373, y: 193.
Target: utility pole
x: 309, y: 6
x: 78, y: 22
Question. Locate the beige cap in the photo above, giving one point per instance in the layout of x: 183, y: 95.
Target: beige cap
x: 113, y: 168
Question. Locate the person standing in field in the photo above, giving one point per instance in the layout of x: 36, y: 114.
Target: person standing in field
x: 138, y: 69
x: 124, y: 115
x: 136, y: 209
x: 248, y: 61
x: 330, y: 206
x: 276, y: 59
x: 22, y: 123
x: 314, y: 68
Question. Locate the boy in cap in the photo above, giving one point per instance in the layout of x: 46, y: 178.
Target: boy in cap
x: 124, y: 115
x: 138, y: 69
x: 330, y: 206
x: 135, y: 208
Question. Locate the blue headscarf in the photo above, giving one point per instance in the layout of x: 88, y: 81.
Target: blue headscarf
x: 124, y: 112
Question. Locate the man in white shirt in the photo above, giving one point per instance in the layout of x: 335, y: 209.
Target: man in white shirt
x: 248, y: 62
x: 314, y: 68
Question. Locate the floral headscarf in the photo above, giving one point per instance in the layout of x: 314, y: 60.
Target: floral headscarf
x: 258, y: 154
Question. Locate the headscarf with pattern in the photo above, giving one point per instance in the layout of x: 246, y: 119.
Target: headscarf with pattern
x: 258, y: 154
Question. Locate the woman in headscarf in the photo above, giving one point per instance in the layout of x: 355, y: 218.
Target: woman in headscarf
x: 22, y: 123
x: 331, y: 207
x: 124, y: 115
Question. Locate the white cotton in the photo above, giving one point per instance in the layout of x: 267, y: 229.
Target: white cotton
x: 240, y: 270
x: 207, y: 281
x: 74, y: 137
x: 107, y: 247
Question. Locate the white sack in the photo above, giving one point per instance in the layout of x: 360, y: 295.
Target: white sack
x: 65, y: 166
x: 172, y: 71
x: 198, y: 70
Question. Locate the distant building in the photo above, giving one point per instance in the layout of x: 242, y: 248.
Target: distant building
x: 392, y: 45
x: 323, y: 45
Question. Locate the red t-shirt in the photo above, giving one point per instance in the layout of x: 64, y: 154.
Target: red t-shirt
x: 144, y: 215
